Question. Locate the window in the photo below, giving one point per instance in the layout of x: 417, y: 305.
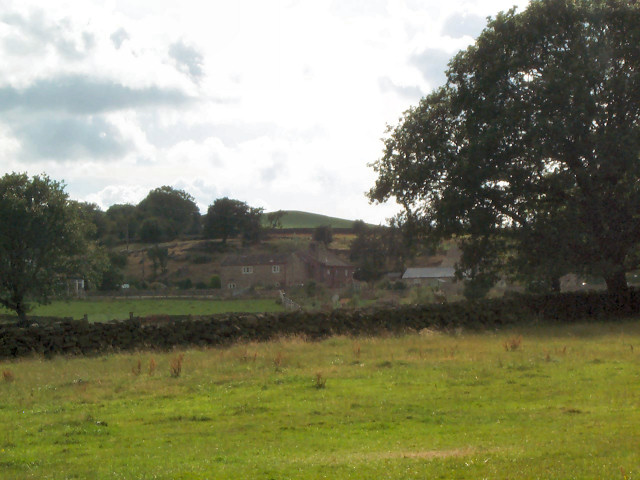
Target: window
x: 231, y: 286
x: 275, y: 269
x: 247, y: 270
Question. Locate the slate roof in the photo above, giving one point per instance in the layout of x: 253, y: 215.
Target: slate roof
x: 429, y: 272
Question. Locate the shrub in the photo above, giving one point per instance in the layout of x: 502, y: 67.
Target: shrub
x: 320, y: 381
x: 184, y: 284
x: 200, y: 259
x: 215, y: 282
x: 201, y: 285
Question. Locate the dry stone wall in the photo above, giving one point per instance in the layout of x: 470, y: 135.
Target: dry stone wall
x: 72, y: 337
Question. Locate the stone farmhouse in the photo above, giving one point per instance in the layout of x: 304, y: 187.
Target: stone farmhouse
x: 281, y: 270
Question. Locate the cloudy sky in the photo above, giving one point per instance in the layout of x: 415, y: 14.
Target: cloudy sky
x: 281, y: 104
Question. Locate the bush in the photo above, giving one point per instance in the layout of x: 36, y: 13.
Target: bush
x: 201, y: 285
x: 185, y: 284
x: 215, y: 282
x: 200, y: 259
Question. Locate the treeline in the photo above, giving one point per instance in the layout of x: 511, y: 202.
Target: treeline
x: 167, y: 213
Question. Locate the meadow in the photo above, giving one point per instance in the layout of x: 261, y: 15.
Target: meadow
x: 102, y: 310
x: 533, y: 402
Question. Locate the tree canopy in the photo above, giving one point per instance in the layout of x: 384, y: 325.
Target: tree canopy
x: 227, y: 218
x: 173, y: 211
x: 531, y: 151
x: 43, y: 241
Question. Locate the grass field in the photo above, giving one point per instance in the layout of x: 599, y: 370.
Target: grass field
x: 118, y: 309
x: 552, y: 403
x: 296, y: 219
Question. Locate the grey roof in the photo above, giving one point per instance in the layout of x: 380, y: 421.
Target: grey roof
x: 429, y: 272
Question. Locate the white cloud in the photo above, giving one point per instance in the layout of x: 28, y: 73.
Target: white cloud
x: 278, y: 103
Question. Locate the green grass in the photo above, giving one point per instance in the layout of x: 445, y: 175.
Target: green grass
x: 561, y: 403
x: 296, y: 219
x: 118, y: 309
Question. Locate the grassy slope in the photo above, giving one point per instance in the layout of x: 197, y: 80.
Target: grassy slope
x: 296, y: 219
x: 564, y: 404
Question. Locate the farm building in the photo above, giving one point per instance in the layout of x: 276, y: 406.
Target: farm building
x: 324, y: 266
x: 246, y: 271
x: 285, y: 270
x: 431, y: 276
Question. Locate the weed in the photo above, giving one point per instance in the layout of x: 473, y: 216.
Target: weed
x: 320, y: 381
x: 152, y: 366
x: 137, y: 368
x: 175, y: 366
x: 512, y: 344
x: 278, y: 360
x: 7, y: 376
x: 356, y: 351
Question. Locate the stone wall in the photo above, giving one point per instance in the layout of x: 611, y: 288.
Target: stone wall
x: 67, y: 337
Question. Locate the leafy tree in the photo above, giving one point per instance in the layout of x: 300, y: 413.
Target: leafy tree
x: 174, y: 210
x: 252, y: 231
x: 275, y: 218
x: 123, y: 221
x: 43, y: 241
x: 227, y: 218
x: 159, y: 257
x: 113, y: 275
x: 152, y: 230
x: 532, y: 146
x: 378, y: 250
x: 92, y: 213
x: 323, y: 234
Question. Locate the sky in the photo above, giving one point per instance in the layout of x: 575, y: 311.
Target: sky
x: 281, y: 104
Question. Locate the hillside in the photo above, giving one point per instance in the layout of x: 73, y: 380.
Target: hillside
x: 297, y: 219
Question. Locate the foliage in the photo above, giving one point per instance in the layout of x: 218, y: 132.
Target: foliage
x: 113, y: 275
x: 185, y: 284
x: 377, y: 250
x: 159, y: 257
x: 44, y: 241
x: 533, y: 145
x: 123, y: 220
x: 174, y: 211
x: 227, y: 218
x: 323, y: 234
x: 274, y: 219
x: 215, y: 282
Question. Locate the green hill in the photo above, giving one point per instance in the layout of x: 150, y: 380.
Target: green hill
x: 296, y: 219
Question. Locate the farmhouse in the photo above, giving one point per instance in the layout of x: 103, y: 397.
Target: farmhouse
x: 239, y: 272
x: 245, y: 271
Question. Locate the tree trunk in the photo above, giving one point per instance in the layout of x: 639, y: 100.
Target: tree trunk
x: 617, y: 283
x: 555, y: 284
x: 22, y: 315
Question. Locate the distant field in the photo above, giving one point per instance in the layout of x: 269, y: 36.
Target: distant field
x: 118, y: 309
x: 296, y: 219
x: 531, y: 403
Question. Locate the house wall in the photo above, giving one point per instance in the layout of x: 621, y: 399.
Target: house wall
x: 260, y: 275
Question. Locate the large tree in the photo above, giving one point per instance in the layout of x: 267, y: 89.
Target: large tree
x: 174, y: 211
x: 227, y: 218
x: 533, y: 145
x: 43, y: 241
